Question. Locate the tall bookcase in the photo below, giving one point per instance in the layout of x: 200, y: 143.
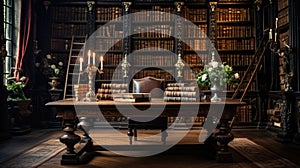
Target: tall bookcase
x: 152, y: 44
x: 68, y: 18
x: 149, y: 41
x: 283, y: 33
x: 196, y: 37
x: 235, y: 34
x: 108, y: 42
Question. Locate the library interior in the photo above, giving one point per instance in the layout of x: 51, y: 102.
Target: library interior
x: 150, y: 83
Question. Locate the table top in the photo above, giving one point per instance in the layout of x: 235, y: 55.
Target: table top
x: 71, y: 102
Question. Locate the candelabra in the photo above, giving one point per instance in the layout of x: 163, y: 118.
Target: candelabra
x: 179, y: 66
x: 90, y: 95
x: 125, y: 66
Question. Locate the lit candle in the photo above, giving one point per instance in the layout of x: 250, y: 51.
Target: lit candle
x: 270, y: 34
x: 94, y: 58
x: 89, y: 57
x: 101, y: 62
x: 275, y: 36
x: 81, y: 60
x: 276, y: 23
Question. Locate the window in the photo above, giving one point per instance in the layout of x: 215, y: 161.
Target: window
x: 11, y: 24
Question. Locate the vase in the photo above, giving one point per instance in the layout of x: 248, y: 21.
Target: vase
x: 54, y: 83
x: 214, y: 92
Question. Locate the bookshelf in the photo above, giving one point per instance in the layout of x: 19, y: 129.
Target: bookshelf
x: 68, y: 18
x: 109, y: 43
x: 283, y: 33
x: 149, y: 40
x: 235, y: 35
x: 152, y: 42
x: 196, y: 39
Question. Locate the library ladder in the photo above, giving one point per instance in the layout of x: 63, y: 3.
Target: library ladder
x: 77, y: 47
x: 249, y: 74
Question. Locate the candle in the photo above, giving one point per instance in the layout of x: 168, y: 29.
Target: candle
x: 81, y: 60
x: 89, y: 57
x: 270, y: 34
x: 94, y: 58
x: 275, y: 36
x: 101, y: 61
x: 276, y: 23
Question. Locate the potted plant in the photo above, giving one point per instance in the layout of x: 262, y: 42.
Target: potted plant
x: 19, y: 104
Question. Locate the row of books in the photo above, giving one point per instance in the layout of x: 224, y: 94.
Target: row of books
x: 283, y: 17
x: 154, y: 45
x: 64, y: 13
x: 233, y: 14
x: 164, y: 16
x: 110, y: 30
x: 153, y: 31
x: 60, y: 29
x: 282, y: 4
x: 150, y: 60
x: 109, y: 44
x: 196, y: 60
x: 224, y: 31
x: 193, y: 31
x: 236, y: 44
x: 245, y: 114
x: 111, y: 74
x: 236, y: 59
x: 195, y: 15
x: 112, y: 59
x: 197, y: 44
x: 157, y: 73
x: 108, y: 13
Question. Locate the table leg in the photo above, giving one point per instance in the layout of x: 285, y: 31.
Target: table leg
x: 223, y: 136
x: 70, y: 139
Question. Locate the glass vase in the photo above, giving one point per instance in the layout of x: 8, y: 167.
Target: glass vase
x: 214, y: 93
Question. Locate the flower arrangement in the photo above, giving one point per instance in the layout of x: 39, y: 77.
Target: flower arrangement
x: 53, y: 67
x: 217, y: 73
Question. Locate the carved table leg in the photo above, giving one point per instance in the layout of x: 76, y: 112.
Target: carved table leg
x: 70, y: 139
x: 223, y: 137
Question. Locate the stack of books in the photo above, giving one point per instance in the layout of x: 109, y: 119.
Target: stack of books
x: 107, y: 90
x: 181, y: 92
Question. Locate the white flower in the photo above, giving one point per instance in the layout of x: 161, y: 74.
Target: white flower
x: 236, y: 76
x: 48, y: 56
x: 209, y: 69
x: 204, y: 76
x: 60, y: 63
x: 53, y: 66
x: 214, y: 64
x: 56, y: 71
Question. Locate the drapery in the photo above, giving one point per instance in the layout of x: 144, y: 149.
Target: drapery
x: 22, y: 66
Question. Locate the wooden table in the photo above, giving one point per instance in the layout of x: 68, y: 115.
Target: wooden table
x: 67, y: 110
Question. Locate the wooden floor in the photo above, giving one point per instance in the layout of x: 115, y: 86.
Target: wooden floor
x: 187, y: 154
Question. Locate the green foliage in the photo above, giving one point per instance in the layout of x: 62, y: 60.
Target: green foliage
x: 218, y: 73
x: 15, y: 89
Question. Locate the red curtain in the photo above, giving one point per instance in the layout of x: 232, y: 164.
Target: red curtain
x: 25, y: 38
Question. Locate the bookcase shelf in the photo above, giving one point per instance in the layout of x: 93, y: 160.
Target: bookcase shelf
x: 235, y: 40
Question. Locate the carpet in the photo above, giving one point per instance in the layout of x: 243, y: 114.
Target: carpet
x: 259, y: 155
x: 36, y: 155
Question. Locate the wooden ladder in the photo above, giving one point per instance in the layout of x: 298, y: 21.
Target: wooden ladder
x: 77, y: 47
x: 252, y: 68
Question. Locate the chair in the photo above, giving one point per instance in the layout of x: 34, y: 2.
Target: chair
x: 153, y: 86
